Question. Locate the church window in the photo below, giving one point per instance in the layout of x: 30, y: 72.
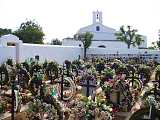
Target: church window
x: 97, y: 28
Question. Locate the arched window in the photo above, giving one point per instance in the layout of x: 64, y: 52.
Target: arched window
x: 97, y: 28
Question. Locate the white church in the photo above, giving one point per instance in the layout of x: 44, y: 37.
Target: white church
x: 103, y: 36
x: 104, y: 44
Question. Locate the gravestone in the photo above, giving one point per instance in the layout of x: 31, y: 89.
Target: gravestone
x: 88, y: 85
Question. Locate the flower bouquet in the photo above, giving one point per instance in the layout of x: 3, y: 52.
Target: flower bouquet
x: 84, y: 108
x: 2, y: 107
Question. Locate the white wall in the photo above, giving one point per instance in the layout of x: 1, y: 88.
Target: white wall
x: 109, y: 44
x: 62, y: 53
x: 49, y: 52
x: 105, y: 32
x: 7, y: 52
x: 71, y: 42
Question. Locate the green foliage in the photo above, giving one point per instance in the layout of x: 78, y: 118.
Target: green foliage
x: 30, y: 32
x: 108, y: 72
x: 144, y: 69
x: 154, y: 45
x: 151, y: 48
x: 53, y: 66
x: 158, y: 68
x: 129, y: 36
x: 56, y: 42
x: 9, y: 62
x: 158, y: 44
x: 86, y: 39
x: 5, y: 31
x: 2, y: 108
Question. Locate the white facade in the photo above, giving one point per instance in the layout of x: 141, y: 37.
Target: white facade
x: 102, y: 35
x: 21, y: 52
x: 72, y: 49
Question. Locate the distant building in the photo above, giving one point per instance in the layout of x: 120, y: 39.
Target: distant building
x: 103, y: 36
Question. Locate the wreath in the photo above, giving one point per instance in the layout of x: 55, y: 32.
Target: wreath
x: 69, y: 93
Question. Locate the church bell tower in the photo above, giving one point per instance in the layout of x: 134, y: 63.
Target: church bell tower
x: 97, y: 17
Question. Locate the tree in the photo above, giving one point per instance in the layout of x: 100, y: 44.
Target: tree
x: 5, y: 31
x: 153, y: 46
x: 86, y: 39
x: 158, y: 44
x: 56, y: 42
x: 30, y: 32
x: 129, y: 36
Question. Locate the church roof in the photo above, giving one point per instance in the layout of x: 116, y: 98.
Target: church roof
x: 90, y: 28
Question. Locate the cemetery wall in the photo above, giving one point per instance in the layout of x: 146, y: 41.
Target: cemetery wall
x: 62, y: 53
x: 49, y: 52
x: 116, y: 52
x: 7, y: 52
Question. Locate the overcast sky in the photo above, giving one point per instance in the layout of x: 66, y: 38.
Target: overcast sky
x: 63, y: 18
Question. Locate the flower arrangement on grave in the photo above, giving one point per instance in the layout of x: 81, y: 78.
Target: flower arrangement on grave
x: 26, y: 97
x: 22, y: 76
x: 5, y: 76
x: 48, y: 108
x: 9, y: 62
x: 107, y: 74
x: 26, y: 66
x: 2, y: 106
x: 86, y: 108
x: 100, y: 66
x: 51, y: 70
x: 157, y: 70
x: 76, y: 63
x: 36, y: 73
x: 146, y: 70
x: 35, y: 67
x: 121, y: 68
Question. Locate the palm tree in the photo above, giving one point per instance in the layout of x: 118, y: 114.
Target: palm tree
x: 86, y: 39
x: 129, y: 36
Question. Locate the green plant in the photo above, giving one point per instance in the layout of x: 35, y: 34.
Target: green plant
x: 144, y: 69
x: 2, y: 107
x: 9, y: 62
x: 108, y: 72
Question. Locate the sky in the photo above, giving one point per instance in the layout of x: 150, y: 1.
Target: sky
x: 63, y: 18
